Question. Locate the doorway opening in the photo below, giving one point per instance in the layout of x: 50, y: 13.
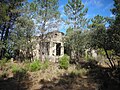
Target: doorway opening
x: 58, y: 49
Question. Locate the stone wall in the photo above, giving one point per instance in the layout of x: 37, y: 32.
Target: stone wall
x: 53, y: 50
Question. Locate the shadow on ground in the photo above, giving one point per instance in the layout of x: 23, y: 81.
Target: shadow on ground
x: 98, y: 78
x: 104, y: 77
x: 68, y: 82
x: 19, y: 81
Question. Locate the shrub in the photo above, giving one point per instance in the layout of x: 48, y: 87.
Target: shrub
x: 64, y: 62
x: 2, y: 63
x: 89, y: 58
x: 34, y: 66
x: 17, y: 69
x: 19, y: 72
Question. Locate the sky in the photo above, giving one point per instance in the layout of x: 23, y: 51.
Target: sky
x: 101, y: 7
x: 95, y: 7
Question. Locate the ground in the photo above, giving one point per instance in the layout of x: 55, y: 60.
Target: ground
x: 85, y: 76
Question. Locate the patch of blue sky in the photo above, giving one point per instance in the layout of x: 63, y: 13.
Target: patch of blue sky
x: 101, y: 7
x: 95, y: 7
x: 30, y: 0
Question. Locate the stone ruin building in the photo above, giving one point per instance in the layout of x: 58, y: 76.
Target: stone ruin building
x: 51, y: 47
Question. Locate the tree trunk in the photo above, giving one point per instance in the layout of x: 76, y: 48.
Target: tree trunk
x: 112, y: 66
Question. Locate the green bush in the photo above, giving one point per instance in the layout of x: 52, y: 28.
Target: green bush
x: 89, y: 58
x: 64, y: 62
x: 2, y: 63
x: 19, y: 72
x: 17, y: 69
x: 34, y: 66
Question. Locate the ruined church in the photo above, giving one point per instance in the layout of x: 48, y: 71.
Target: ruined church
x: 52, y: 48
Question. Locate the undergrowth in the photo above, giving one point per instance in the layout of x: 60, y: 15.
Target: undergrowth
x: 64, y: 62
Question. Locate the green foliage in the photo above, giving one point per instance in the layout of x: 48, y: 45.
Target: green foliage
x: 69, y: 31
x: 21, y: 38
x: 64, y: 62
x: 75, y: 38
x: 100, y: 38
x: 34, y: 66
x: 19, y: 72
x: 46, y: 16
x: 97, y: 22
x: 3, y: 14
x: 2, y: 63
x: 47, y: 11
x: 116, y: 9
x: 17, y: 69
x: 51, y: 6
x: 37, y: 65
x: 76, y: 41
x: 9, y: 11
x: 89, y: 58
x: 75, y: 12
x: 102, y: 52
x: 114, y: 32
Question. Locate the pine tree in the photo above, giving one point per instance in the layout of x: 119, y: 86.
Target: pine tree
x: 115, y: 27
x: 47, y: 18
x: 75, y: 12
x: 9, y: 11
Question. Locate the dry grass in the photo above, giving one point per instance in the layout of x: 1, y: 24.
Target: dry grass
x: 53, y: 72
x: 51, y: 78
